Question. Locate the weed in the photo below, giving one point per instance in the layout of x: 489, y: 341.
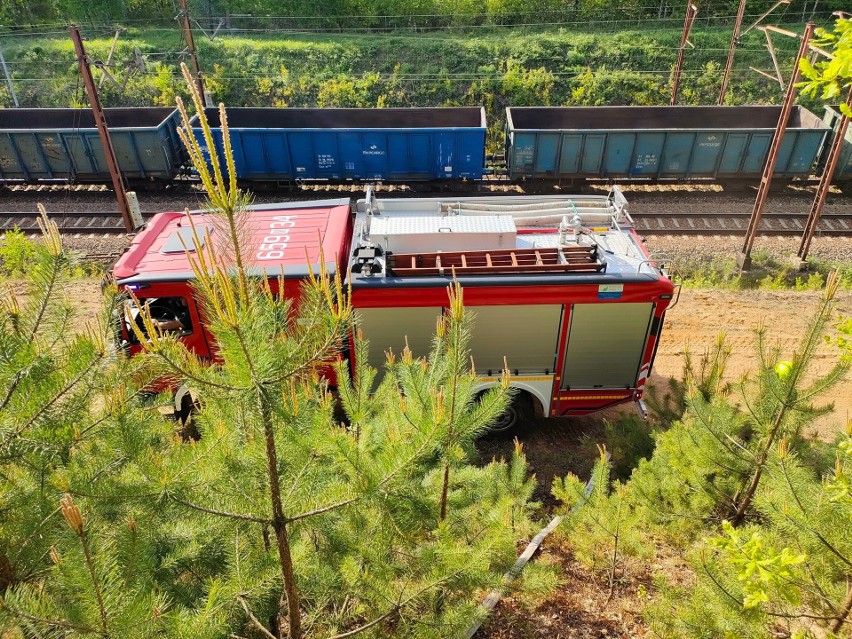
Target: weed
x: 813, y: 282
x: 767, y: 273
x: 17, y: 252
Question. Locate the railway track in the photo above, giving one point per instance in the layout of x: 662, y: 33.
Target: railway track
x: 90, y: 222
x: 833, y: 224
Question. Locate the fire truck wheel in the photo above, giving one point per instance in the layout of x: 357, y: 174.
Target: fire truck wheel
x: 185, y: 416
x: 520, y: 410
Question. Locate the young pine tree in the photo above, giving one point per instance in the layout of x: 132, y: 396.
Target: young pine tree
x: 788, y: 574
x: 602, y: 523
x: 321, y: 528
x: 65, y: 398
x: 710, y: 464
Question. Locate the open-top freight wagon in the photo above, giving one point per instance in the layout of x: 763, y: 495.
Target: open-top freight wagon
x: 62, y: 145
x: 843, y: 172
x: 658, y: 143
x: 561, y: 286
x: 438, y: 147
x: 287, y: 146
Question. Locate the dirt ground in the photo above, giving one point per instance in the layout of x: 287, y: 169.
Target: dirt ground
x: 702, y: 313
x: 581, y: 606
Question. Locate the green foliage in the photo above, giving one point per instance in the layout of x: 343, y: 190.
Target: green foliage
x: 107, y: 598
x: 64, y: 400
x: 374, y: 14
x: 628, y: 439
x: 830, y: 79
x: 17, y: 252
x: 786, y: 564
x: 709, y: 464
x: 491, y: 67
x: 705, y: 378
x: 739, y: 571
x: 759, y: 569
x: 604, y: 526
x: 791, y: 570
x: 528, y: 87
x: 767, y: 273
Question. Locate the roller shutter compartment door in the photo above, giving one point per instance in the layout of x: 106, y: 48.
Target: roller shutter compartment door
x: 388, y: 328
x: 526, y: 335
x: 605, y: 345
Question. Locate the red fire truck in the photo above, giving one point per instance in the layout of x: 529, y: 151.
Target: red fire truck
x: 561, y: 286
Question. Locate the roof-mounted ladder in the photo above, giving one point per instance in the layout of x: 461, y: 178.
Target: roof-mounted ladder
x: 572, y: 259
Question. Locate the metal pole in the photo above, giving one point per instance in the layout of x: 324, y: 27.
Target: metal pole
x: 735, y: 40
x: 825, y: 182
x: 190, y: 45
x: 691, y: 10
x: 9, y: 79
x: 744, y: 258
x: 103, y: 131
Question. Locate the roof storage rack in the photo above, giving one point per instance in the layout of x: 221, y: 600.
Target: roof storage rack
x: 573, y: 259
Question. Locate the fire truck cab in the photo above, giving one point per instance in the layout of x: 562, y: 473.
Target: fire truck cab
x: 561, y: 286
x: 286, y: 239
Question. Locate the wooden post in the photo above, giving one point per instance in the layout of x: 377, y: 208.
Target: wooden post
x: 190, y: 45
x: 109, y: 57
x: 729, y: 65
x: 825, y: 182
x: 744, y: 258
x: 691, y: 10
x: 103, y: 131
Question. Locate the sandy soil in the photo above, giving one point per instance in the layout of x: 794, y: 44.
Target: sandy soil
x: 581, y: 606
x: 702, y: 314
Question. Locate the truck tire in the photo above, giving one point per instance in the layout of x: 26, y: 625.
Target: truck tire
x: 188, y: 430
x: 519, y: 411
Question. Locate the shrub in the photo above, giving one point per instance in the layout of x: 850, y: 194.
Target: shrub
x: 17, y: 252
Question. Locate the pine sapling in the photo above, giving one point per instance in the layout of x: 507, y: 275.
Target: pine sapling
x: 783, y: 392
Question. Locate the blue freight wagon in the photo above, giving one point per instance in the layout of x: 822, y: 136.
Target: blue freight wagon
x: 657, y: 142
x: 337, y: 145
x: 843, y: 172
x: 63, y: 145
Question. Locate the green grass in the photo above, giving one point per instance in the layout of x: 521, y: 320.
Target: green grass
x: 767, y: 273
x: 492, y: 66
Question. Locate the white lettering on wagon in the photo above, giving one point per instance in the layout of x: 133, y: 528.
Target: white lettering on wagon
x: 275, y: 243
x: 373, y: 150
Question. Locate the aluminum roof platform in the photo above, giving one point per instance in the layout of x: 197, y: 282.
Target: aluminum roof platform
x: 496, y: 240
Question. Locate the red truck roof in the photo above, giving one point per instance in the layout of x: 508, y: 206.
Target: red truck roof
x: 283, y: 239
